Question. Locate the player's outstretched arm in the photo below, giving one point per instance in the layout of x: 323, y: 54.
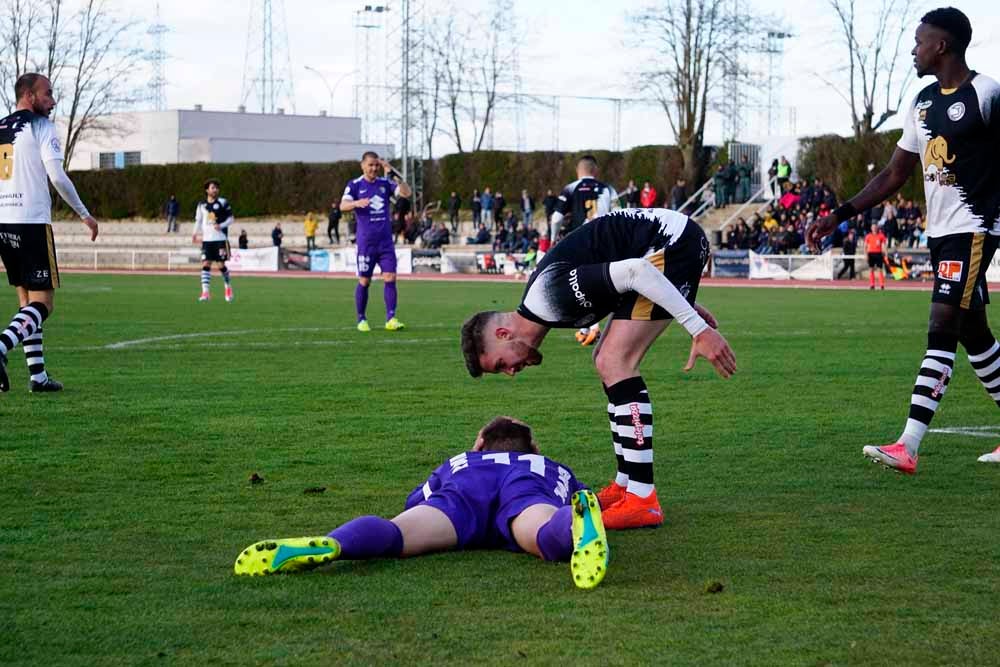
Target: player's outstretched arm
x: 64, y: 186
x: 886, y: 183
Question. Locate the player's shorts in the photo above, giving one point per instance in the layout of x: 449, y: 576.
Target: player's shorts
x: 960, y: 262
x: 28, y: 252
x: 215, y: 251
x: 876, y: 260
x: 481, y: 519
x: 372, y: 254
x: 682, y: 263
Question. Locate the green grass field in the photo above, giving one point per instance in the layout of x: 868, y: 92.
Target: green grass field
x: 126, y: 498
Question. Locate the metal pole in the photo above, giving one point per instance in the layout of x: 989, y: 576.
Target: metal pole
x: 405, y: 139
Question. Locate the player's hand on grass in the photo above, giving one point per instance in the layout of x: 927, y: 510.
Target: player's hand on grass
x: 820, y: 229
x: 712, y: 346
x: 707, y: 316
x: 92, y: 226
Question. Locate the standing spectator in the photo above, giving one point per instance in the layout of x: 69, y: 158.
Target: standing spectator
x: 784, y: 172
x: 527, y: 206
x: 633, y: 199
x: 243, y: 242
x: 719, y: 186
x: 745, y: 171
x: 310, y: 226
x: 628, y: 193
x: 333, y: 222
x: 499, y: 205
x: 772, y: 173
x: 647, y: 198
x: 172, y: 209
x: 678, y: 194
x: 454, y: 202
x: 549, y: 204
x: 277, y: 234
x: 486, y: 199
x: 850, y: 248
x: 477, y: 207
x: 732, y: 178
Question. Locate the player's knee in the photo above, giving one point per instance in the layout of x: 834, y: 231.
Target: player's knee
x: 946, y: 320
x: 389, y: 277
x: 609, y: 366
x: 364, y: 282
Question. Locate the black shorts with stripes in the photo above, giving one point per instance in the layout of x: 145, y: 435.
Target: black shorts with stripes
x: 683, y: 263
x: 28, y: 252
x: 960, y: 262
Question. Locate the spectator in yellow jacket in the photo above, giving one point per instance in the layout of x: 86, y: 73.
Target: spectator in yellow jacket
x: 311, y: 224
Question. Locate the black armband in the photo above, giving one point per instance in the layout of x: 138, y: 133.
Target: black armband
x: 845, y: 211
x: 395, y: 174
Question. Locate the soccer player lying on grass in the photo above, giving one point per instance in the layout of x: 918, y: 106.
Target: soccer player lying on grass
x: 643, y: 267
x: 501, y: 495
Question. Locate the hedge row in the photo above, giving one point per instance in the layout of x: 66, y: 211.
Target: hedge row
x: 843, y: 163
x: 276, y: 189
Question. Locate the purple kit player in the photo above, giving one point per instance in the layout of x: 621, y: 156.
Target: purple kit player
x: 369, y: 197
x: 501, y: 495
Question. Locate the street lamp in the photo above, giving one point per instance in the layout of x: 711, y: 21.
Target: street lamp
x: 325, y: 83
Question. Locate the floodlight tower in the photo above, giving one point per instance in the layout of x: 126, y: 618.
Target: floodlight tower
x: 369, y: 96
x: 267, y: 64
x: 158, y: 58
x: 774, y: 48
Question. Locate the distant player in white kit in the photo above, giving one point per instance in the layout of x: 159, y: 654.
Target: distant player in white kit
x: 30, y: 157
x: 212, y: 220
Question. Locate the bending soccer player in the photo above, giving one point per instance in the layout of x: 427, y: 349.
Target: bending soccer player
x: 30, y: 157
x: 212, y: 220
x: 583, y: 200
x: 501, y: 495
x: 953, y: 128
x: 643, y: 267
x: 368, y: 196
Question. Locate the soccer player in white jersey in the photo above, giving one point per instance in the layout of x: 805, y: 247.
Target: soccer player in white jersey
x: 952, y: 128
x: 30, y: 157
x: 212, y: 220
x: 583, y: 200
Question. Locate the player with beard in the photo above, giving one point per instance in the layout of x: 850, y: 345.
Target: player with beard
x: 643, y: 267
x: 30, y: 157
x: 952, y: 128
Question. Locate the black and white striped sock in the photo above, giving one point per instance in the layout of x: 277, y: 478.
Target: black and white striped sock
x: 633, y: 418
x: 932, y: 382
x: 206, y: 279
x: 33, y: 356
x: 621, y: 477
x: 986, y: 363
x: 24, y: 324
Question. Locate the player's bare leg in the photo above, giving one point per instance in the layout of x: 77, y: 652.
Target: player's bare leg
x: 425, y: 529
x: 617, y: 359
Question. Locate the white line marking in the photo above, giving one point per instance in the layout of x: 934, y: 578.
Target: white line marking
x: 973, y: 431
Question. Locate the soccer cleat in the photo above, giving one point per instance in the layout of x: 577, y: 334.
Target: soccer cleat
x: 992, y: 457
x: 46, y: 385
x: 634, y: 512
x: 593, y: 335
x: 229, y: 294
x: 394, y: 325
x: 589, y: 562
x: 363, y: 326
x: 892, y: 456
x: 580, y: 335
x: 4, y: 380
x: 205, y: 296
x: 610, y: 494
x: 292, y: 554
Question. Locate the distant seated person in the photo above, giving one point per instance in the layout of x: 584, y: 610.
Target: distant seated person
x: 501, y: 242
x: 436, y: 236
x: 482, y: 236
x: 243, y: 241
x: 502, y: 494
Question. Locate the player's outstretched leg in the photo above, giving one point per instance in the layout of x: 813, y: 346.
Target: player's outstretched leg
x: 589, y: 562
x: 292, y: 554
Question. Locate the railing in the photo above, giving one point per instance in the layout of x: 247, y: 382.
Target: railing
x: 768, y: 199
x: 122, y: 258
x: 693, y: 198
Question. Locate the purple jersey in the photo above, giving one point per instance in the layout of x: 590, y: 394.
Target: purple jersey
x: 482, y: 492
x: 374, y: 225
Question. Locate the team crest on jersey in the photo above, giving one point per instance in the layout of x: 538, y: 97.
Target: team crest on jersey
x: 956, y: 111
x: 55, y: 145
x: 950, y: 270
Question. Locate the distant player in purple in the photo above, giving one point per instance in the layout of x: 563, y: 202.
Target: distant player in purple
x: 369, y: 197
x: 501, y: 495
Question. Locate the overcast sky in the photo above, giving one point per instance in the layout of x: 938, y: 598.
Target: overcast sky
x: 572, y: 47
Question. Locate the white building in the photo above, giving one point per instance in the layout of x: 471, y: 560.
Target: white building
x: 182, y: 136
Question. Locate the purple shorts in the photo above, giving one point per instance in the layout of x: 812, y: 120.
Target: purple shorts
x: 381, y: 253
x: 482, y: 516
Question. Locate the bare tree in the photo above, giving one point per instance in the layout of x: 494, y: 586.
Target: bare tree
x: 686, y: 41
x: 876, y: 80
x: 92, y: 60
